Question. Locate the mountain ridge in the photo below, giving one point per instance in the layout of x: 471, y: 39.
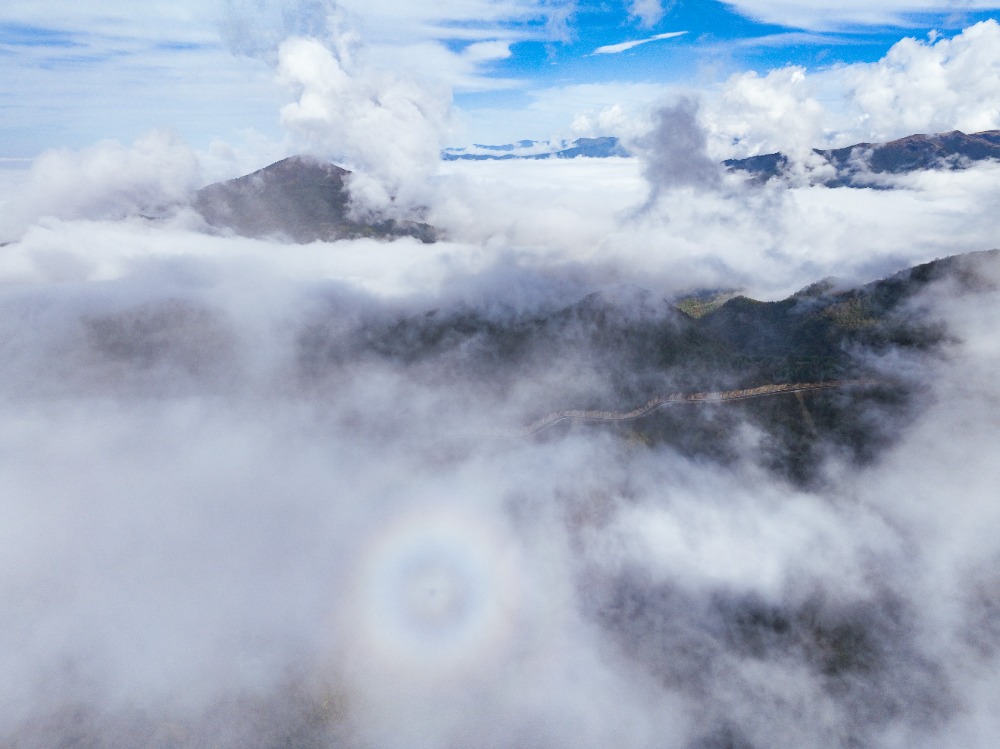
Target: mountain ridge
x: 626, y: 346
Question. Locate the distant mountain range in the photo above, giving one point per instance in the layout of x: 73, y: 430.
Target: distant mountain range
x: 594, y: 148
x: 299, y: 198
x: 855, y: 166
x: 859, y: 165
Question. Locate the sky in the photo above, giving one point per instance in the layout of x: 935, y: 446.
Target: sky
x: 258, y: 494
x: 76, y: 73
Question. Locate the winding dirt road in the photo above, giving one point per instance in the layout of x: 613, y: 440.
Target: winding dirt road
x: 662, y: 400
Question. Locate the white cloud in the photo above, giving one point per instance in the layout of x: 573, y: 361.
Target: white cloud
x: 613, y: 49
x: 108, y: 180
x: 486, y: 51
x: 183, y: 21
x: 449, y: 43
x: 215, y: 518
x: 931, y: 86
x: 424, y: 585
x: 435, y: 64
x: 385, y: 20
x: 382, y: 20
x: 608, y: 121
x: 387, y: 127
x: 762, y: 114
x: 648, y: 12
x: 70, y: 66
x: 826, y: 15
x: 78, y: 63
x: 937, y: 85
x: 771, y: 241
x: 934, y: 85
x: 215, y: 535
x: 928, y: 86
x: 620, y: 109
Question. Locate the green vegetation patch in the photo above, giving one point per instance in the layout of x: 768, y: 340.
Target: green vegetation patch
x: 699, y: 305
x: 851, y: 314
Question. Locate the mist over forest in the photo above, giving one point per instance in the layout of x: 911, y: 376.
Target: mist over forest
x: 346, y: 487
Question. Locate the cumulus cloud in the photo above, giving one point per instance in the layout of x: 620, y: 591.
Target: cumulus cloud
x: 386, y: 127
x: 763, y: 114
x: 935, y: 85
x: 931, y: 86
x: 82, y: 63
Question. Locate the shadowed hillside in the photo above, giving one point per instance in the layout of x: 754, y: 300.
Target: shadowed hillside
x: 617, y: 350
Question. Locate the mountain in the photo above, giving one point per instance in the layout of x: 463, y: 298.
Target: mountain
x: 615, y: 350
x: 300, y: 198
x: 595, y: 148
x: 856, y: 165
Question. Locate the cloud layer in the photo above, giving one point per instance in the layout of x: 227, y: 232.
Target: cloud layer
x: 249, y: 502
x: 261, y: 495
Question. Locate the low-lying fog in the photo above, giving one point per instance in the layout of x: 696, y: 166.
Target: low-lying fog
x: 238, y: 510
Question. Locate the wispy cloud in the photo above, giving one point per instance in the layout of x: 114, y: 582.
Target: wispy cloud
x: 844, y: 14
x: 790, y: 38
x: 613, y: 49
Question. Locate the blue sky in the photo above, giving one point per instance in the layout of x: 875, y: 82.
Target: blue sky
x: 77, y: 72
x: 718, y: 41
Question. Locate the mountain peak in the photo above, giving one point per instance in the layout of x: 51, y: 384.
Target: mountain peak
x: 301, y: 198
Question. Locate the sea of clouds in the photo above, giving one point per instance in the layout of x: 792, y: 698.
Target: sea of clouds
x: 227, y: 522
